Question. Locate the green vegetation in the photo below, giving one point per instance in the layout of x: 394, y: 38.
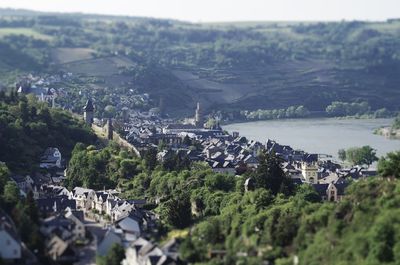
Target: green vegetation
x: 114, y: 256
x: 389, y: 166
x: 93, y: 168
x: 291, y: 112
x: 28, y: 127
x: 396, y: 123
x: 365, y: 155
x: 28, y: 32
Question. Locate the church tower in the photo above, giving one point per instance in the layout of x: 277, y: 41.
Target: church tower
x: 198, y: 119
x: 88, y: 112
x: 110, y: 129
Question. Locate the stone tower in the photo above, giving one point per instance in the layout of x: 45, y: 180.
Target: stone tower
x: 110, y: 129
x: 198, y: 119
x: 88, y: 112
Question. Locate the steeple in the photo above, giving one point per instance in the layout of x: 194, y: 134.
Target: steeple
x: 110, y: 129
x: 88, y: 112
x: 88, y: 106
x: 198, y: 119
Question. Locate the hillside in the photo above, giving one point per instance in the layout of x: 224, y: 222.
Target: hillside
x: 28, y: 127
x: 227, y: 66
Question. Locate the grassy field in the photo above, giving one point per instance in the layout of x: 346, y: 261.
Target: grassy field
x: 23, y: 31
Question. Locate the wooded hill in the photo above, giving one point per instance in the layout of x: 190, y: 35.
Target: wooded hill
x: 227, y: 66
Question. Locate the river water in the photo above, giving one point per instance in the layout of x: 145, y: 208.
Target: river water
x: 322, y: 135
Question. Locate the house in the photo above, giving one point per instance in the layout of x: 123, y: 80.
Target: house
x: 333, y: 192
x: 48, y: 206
x: 60, y: 251
x: 130, y: 225
x: 77, y: 218
x: 110, y: 238
x: 121, y: 208
x: 223, y: 167
x: 143, y: 252
x: 58, y: 225
x: 84, y: 198
x: 100, y: 201
x: 51, y: 158
x: 251, y: 161
x: 24, y: 183
x: 10, y: 245
x: 178, y: 128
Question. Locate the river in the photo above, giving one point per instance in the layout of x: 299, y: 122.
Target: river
x: 322, y: 135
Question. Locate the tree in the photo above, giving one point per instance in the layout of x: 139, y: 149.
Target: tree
x: 368, y: 155
x: 269, y: 175
x: 4, y: 175
x: 128, y: 168
x: 389, y: 166
x: 342, y: 154
x: 177, y: 211
x: 150, y: 158
x: 11, y: 193
x: 365, y: 155
x: 109, y: 111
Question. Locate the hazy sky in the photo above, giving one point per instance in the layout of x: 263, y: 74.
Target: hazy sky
x: 224, y: 10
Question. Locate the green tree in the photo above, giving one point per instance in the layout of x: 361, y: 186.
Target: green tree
x: 4, y: 176
x: 342, y: 154
x: 177, y: 211
x: 269, y: 175
x: 11, y: 193
x: 150, y: 158
x: 365, y: 155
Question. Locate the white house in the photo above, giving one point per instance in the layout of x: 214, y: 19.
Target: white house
x: 84, y: 198
x: 100, y: 201
x: 51, y: 158
x: 143, y: 252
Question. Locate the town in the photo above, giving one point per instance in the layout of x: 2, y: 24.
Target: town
x: 81, y: 224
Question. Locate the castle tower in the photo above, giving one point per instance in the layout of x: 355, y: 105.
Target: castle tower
x: 198, y: 119
x: 110, y: 129
x: 88, y: 112
x: 310, y: 172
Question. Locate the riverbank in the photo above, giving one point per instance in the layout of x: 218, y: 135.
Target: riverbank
x: 361, y: 117
x: 388, y: 132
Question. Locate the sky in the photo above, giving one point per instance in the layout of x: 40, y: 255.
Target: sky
x: 224, y: 10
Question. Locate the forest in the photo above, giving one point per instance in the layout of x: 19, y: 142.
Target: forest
x: 28, y: 127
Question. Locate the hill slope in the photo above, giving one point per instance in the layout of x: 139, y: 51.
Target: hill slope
x: 225, y: 66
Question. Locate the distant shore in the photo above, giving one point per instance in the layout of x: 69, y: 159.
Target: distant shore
x: 362, y: 117
x: 388, y: 132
